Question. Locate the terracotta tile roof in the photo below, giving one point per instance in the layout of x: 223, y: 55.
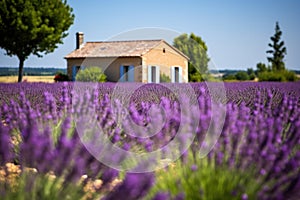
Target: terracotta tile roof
x: 114, y: 49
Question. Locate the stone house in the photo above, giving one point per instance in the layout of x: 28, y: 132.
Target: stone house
x: 129, y: 61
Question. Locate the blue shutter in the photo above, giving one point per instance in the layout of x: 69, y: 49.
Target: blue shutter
x: 131, y: 73
x: 180, y: 74
x: 172, y: 74
x: 122, y: 73
x: 73, y: 73
x: 149, y: 74
x: 157, y: 74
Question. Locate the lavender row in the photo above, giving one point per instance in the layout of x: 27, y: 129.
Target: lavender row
x: 261, y: 122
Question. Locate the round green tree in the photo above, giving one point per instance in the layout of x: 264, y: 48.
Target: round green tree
x: 195, y: 48
x: 91, y: 74
x: 33, y: 27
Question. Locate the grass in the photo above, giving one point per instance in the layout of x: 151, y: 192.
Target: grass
x: 14, y: 79
x: 203, y: 180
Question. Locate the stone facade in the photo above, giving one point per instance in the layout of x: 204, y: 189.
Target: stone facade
x: 136, y: 61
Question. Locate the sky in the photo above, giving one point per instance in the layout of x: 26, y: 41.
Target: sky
x: 236, y: 32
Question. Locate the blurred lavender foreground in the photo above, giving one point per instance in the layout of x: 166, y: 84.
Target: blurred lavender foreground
x: 47, y: 130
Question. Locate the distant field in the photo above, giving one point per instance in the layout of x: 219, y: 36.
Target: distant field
x: 14, y: 79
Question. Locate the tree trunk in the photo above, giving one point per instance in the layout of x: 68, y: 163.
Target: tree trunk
x: 21, y: 66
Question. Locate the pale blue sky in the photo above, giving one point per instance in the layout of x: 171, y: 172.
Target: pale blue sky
x: 236, y: 32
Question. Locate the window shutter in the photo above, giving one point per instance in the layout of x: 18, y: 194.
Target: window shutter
x: 157, y: 74
x: 180, y: 74
x: 149, y: 74
x: 172, y: 74
x: 122, y: 73
x: 73, y: 73
x: 131, y: 73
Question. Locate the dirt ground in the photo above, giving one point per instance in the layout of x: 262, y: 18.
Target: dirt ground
x: 14, y: 79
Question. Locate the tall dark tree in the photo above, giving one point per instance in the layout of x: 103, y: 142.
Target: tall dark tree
x: 277, y: 51
x: 33, y: 27
x: 195, y: 48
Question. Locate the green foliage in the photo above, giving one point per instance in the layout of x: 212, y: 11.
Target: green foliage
x: 277, y: 71
x: 261, y: 67
x: 164, y: 78
x: 277, y: 76
x: 33, y: 27
x: 202, y: 179
x: 31, y: 185
x: 195, y: 48
x: 91, y: 74
x: 290, y: 76
x: 210, y: 78
x: 251, y: 73
x: 195, y: 76
x: 229, y: 77
x: 242, y: 76
x: 277, y: 51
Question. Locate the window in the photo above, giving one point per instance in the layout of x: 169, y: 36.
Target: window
x: 176, y: 74
x: 153, y: 74
x: 126, y: 73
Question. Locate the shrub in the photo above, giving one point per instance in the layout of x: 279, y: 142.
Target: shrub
x: 61, y: 77
x: 196, y: 77
x: 290, y: 76
x: 229, y: 77
x: 164, y: 78
x: 252, y: 76
x: 91, y: 74
x: 279, y: 76
x: 242, y: 76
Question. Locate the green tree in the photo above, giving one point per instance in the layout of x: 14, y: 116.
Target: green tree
x: 251, y: 73
x: 195, y: 48
x: 33, y: 27
x: 261, y: 67
x: 91, y: 74
x: 277, y: 71
x: 242, y: 76
x: 277, y: 51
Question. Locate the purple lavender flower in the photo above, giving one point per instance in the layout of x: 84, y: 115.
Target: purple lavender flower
x: 244, y: 197
x: 6, y: 153
x: 194, y: 167
x: 134, y: 186
x: 161, y: 196
x: 179, y: 196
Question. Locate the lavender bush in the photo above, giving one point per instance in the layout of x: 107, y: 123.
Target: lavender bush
x: 59, y: 129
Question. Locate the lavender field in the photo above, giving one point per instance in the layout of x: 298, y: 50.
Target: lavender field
x: 150, y: 141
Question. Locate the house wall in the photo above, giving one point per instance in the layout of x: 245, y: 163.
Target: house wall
x: 156, y: 57
x: 73, y: 62
x: 110, y: 66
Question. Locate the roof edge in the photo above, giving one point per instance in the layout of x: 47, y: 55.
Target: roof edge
x: 177, y: 50
x: 66, y: 57
x: 117, y: 41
